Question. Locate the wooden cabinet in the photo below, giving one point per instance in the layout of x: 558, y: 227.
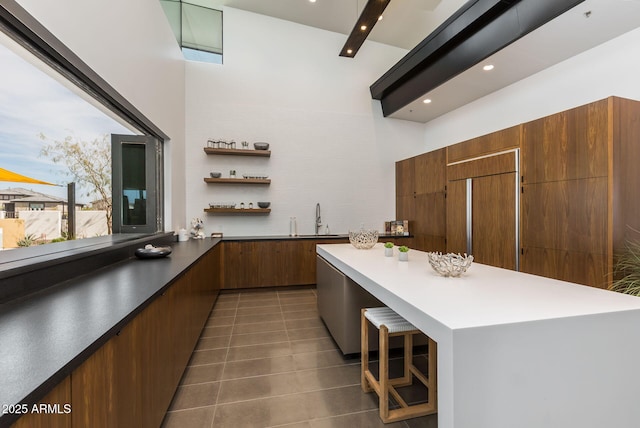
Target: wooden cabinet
x: 270, y: 263
x: 420, y: 198
x: 105, y: 389
x: 578, y: 204
x: 130, y: 380
x: 60, y: 396
x: 405, y: 191
x: 276, y: 263
x: 457, y: 216
x: 579, y: 184
x: 159, y: 371
x: 486, y: 189
x: 494, y: 220
x: 569, y: 145
x: 496, y: 142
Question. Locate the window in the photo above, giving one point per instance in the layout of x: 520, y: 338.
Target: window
x: 38, y: 142
x: 197, y: 28
x: 21, y: 36
x: 136, y: 184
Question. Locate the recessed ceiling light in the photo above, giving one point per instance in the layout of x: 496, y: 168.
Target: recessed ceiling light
x: 426, y: 101
x: 488, y: 67
x: 363, y: 27
x: 349, y: 51
x: 312, y: 1
x: 380, y: 18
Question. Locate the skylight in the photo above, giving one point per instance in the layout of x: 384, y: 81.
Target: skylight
x: 197, y: 28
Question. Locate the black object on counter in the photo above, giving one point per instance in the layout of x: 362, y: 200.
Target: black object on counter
x: 151, y: 252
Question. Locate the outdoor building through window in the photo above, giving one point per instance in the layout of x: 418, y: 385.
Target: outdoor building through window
x: 51, y: 134
x: 197, y: 28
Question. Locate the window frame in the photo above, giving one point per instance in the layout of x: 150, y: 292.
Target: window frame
x: 25, y: 30
x: 153, y: 183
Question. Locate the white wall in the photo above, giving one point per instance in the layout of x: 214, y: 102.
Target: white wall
x: 131, y: 46
x: 285, y: 84
x: 609, y: 69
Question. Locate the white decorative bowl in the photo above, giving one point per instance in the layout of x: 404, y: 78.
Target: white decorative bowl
x: 363, y: 239
x: 450, y: 264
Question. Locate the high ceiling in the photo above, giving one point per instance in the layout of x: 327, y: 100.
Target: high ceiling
x: 405, y: 23
x: 408, y: 22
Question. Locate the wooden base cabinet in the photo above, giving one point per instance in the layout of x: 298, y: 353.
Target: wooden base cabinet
x: 131, y: 379
x: 271, y: 263
x: 276, y: 262
x: 61, y: 396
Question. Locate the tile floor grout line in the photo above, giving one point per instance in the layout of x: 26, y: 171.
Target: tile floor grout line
x: 190, y: 408
x: 283, y: 372
x: 288, y: 394
x: 315, y: 348
x: 224, y: 364
x: 326, y: 418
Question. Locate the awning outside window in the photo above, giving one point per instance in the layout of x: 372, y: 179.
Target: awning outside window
x: 6, y: 175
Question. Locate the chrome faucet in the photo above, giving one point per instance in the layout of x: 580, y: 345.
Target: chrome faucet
x: 318, y: 219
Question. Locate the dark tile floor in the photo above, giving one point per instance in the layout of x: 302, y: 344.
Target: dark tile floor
x: 265, y: 359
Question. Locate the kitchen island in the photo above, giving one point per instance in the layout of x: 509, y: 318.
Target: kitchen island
x: 514, y: 350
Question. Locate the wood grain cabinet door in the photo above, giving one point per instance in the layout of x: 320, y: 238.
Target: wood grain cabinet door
x: 457, y: 217
x: 486, y: 189
x: 568, y: 145
x: 106, y: 388
x: 494, y: 220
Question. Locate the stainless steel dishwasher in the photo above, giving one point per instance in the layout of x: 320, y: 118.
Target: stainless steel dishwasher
x: 339, y: 303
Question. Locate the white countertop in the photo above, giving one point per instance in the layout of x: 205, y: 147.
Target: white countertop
x: 514, y: 350
x: 483, y: 296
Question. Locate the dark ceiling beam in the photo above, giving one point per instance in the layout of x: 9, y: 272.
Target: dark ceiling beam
x: 476, y: 31
x: 368, y: 18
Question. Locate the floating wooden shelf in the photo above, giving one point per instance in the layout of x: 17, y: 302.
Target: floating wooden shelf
x: 238, y: 152
x: 238, y: 210
x: 238, y: 180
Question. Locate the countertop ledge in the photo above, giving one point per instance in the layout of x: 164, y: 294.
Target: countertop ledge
x: 46, y: 336
x: 31, y: 270
x: 301, y: 237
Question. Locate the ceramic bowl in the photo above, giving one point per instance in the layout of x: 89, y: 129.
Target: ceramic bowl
x: 264, y: 204
x: 215, y: 174
x: 261, y: 146
x: 151, y: 252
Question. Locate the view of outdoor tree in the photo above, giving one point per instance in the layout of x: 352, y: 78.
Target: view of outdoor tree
x: 88, y: 164
x: 74, y: 145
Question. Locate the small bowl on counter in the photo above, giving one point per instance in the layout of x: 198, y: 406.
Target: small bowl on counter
x: 151, y: 252
x: 449, y: 265
x: 264, y: 204
x: 363, y: 239
x: 261, y: 146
